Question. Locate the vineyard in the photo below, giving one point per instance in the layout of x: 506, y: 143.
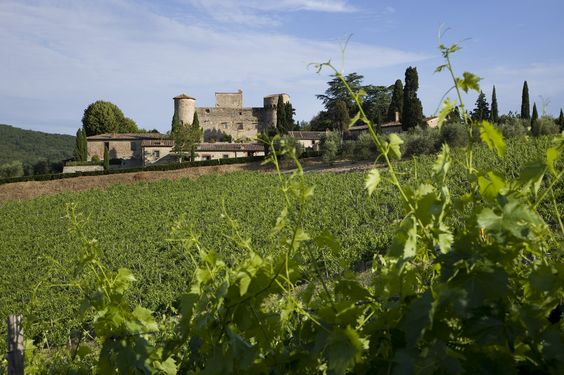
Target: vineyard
x: 137, y: 228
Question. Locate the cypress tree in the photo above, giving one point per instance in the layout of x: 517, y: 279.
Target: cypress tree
x: 494, y: 111
x: 80, y: 152
x: 289, y: 125
x: 396, y: 105
x: 412, y: 108
x: 106, y: 159
x: 482, y: 111
x: 280, y: 115
x: 534, y: 121
x: 561, y: 120
x: 525, y: 111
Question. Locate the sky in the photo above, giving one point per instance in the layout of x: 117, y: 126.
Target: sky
x: 58, y: 56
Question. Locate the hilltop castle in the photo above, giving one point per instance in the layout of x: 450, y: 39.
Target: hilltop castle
x: 229, y: 116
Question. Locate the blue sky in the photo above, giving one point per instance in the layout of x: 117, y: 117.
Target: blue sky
x: 56, y: 57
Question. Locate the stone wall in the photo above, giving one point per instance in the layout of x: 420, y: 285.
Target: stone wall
x: 82, y: 168
x: 118, y: 149
x: 238, y: 123
x: 229, y: 99
x: 209, y: 155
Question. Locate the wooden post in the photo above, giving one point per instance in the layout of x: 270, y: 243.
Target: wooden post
x: 15, y: 345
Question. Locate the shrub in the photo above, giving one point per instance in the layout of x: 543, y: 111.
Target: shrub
x: 330, y: 146
x: 12, y: 169
x: 365, y: 148
x: 420, y: 142
x: 455, y: 135
x: 292, y: 143
x: 547, y: 126
x: 514, y: 127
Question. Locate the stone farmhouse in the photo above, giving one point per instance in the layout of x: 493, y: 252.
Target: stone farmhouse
x: 228, y: 117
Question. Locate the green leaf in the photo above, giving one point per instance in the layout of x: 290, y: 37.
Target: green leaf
x: 448, y: 107
x: 531, y: 176
x: 492, y: 137
x: 326, y: 239
x: 344, y: 349
x: 404, y: 243
x: 372, y: 180
x: 469, y: 82
x: 395, y: 142
x: 244, y: 283
x: 552, y: 155
x: 442, y: 164
x: 122, y: 280
x: 440, y: 68
x: 167, y: 367
x: 145, y: 317
x: 281, y: 221
x: 491, y: 185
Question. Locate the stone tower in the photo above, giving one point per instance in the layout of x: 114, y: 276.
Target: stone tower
x: 184, y: 108
x: 270, y: 104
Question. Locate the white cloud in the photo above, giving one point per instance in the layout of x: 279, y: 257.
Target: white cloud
x: 59, y: 59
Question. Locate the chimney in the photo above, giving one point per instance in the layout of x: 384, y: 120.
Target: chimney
x: 397, y: 116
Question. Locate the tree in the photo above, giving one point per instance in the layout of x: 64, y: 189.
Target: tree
x: 12, y: 169
x: 338, y: 91
x: 494, y: 112
x: 396, y: 105
x: 290, y: 112
x: 81, y: 147
x: 105, y: 117
x: 341, y: 118
x: 525, y: 111
x: 321, y: 122
x: 482, y: 110
x: 106, y: 159
x: 412, y: 108
x: 186, y: 137
x: 560, y: 121
x: 376, y: 102
x: 280, y: 115
x: 535, y: 129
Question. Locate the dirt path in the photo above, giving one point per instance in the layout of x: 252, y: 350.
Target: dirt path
x: 33, y: 189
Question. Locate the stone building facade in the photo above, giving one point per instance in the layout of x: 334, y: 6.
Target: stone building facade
x: 229, y: 117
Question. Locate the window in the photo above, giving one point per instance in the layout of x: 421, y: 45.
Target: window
x: 206, y: 157
x: 240, y: 126
x: 156, y: 154
x: 225, y: 156
x: 133, y: 146
x: 207, y: 110
x: 224, y: 125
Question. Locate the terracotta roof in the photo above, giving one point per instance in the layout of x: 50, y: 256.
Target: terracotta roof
x: 306, y: 135
x: 125, y: 136
x: 365, y: 127
x: 184, y: 96
x: 157, y: 143
x: 230, y: 147
x: 219, y: 146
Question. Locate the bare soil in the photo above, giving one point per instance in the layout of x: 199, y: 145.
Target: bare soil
x: 33, y: 189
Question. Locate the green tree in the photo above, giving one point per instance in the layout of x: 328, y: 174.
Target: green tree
x: 338, y: 91
x: 281, y: 115
x: 341, y: 118
x: 396, y: 105
x: 412, y: 108
x: 494, y: 111
x: 535, y: 129
x: 12, y: 169
x: 106, y: 159
x: 81, y: 148
x: 186, y: 138
x: 376, y: 102
x: 525, y: 111
x: 482, y: 110
x: 561, y: 120
x: 105, y: 117
x: 321, y: 122
x: 290, y: 112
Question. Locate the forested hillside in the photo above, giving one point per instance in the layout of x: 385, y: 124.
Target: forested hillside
x: 31, y: 147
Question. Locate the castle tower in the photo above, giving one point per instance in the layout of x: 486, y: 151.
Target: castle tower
x: 184, y: 108
x: 270, y: 103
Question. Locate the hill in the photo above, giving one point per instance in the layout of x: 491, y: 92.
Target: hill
x: 30, y: 146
